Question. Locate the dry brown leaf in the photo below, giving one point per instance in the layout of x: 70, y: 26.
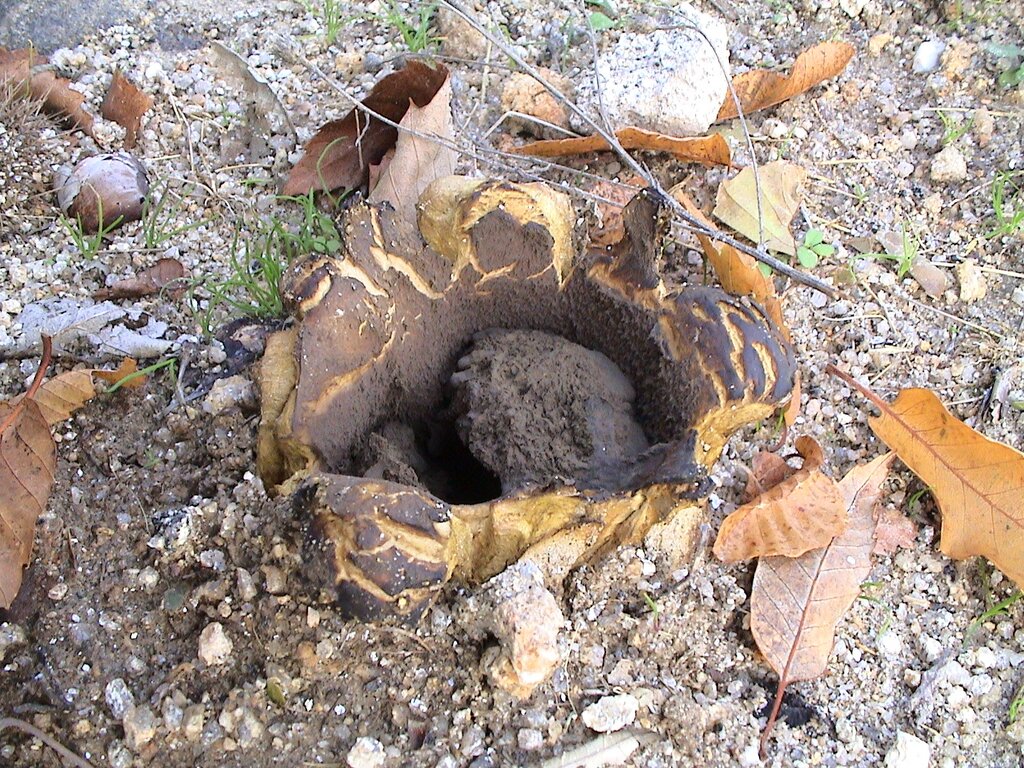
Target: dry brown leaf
x: 978, y: 483
x: 27, y: 460
x: 147, y: 282
x: 801, y: 513
x: 795, y: 604
x: 611, y: 229
x: 59, y: 397
x: 418, y: 161
x: 340, y: 154
x: 125, y: 104
x: 781, y: 195
x: 737, y: 272
x: 760, y: 88
x: 24, y: 71
x: 710, y: 150
x: 893, y: 531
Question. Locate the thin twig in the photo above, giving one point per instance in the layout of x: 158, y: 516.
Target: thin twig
x: 56, y: 746
x: 613, y: 142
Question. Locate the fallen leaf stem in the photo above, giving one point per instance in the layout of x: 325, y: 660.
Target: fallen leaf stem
x: 37, y: 382
x: 868, y: 393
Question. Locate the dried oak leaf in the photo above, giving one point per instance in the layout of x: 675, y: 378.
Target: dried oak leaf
x: 781, y: 195
x: 25, y: 72
x: 761, y: 88
x: 59, y: 397
x: 978, y: 483
x: 340, y: 154
x: 147, y: 282
x: 737, y: 272
x: 125, y: 104
x: 801, y: 513
x: 417, y: 161
x: 795, y: 603
x: 710, y: 150
x: 28, y: 457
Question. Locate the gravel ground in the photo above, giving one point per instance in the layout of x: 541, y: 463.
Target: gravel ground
x: 166, y: 619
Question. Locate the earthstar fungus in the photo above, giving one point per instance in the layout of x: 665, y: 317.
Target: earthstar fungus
x: 381, y: 329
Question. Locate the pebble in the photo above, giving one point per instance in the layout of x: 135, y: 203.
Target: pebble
x: 890, y: 645
x: 612, y: 713
x: 192, y: 721
x: 908, y: 752
x: 669, y: 80
x: 928, y: 55
x: 529, y: 739
x: 249, y: 729
x: 276, y: 582
x: 119, y: 698
x: 214, y: 646
x: 227, y: 393
x: 948, y: 165
x: 118, y: 755
x: 972, y: 282
x: 11, y: 636
x: 366, y: 753
x: 522, y: 93
x: 246, y: 585
x: 139, y: 727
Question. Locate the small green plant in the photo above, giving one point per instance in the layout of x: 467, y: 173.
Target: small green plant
x: 953, y: 129
x: 867, y: 588
x: 1007, y: 203
x: 603, y: 17
x: 415, y: 34
x: 258, y: 261
x: 158, y: 221
x: 89, y: 245
x: 1016, y: 704
x: 909, y: 249
x: 169, y: 363
x: 329, y: 13
x: 1013, y: 56
x: 813, y: 249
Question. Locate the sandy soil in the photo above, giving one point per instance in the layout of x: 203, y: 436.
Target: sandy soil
x: 158, y: 530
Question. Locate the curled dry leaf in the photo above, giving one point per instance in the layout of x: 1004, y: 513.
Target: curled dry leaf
x: 418, y: 161
x: 710, y: 150
x: 147, y: 282
x: 801, y: 513
x: 761, y: 88
x: 978, y: 483
x: 340, y: 154
x: 795, y: 603
x: 28, y: 74
x: 781, y: 195
x: 767, y: 470
x: 125, y: 104
x: 27, y: 460
x: 59, y: 397
x: 737, y: 272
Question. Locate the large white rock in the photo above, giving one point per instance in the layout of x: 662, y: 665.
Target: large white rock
x: 670, y: 80
x: 908, y: 752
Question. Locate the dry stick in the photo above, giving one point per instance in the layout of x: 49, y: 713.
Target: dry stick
x: 613, y: 142
x: 56, y: 746
x: 37, y: 382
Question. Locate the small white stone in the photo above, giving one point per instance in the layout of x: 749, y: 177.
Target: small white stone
x: 612, y: 713
x: 908, y: 752
x: 366, y: 753
x: 529, y: 739
x: 889, y: 644
x: 928, y: 55
x: 119, y: 698
x: 948, y: 165
x: 214, y: 646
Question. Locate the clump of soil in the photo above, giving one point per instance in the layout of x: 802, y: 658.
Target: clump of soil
x: 533, y: 406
